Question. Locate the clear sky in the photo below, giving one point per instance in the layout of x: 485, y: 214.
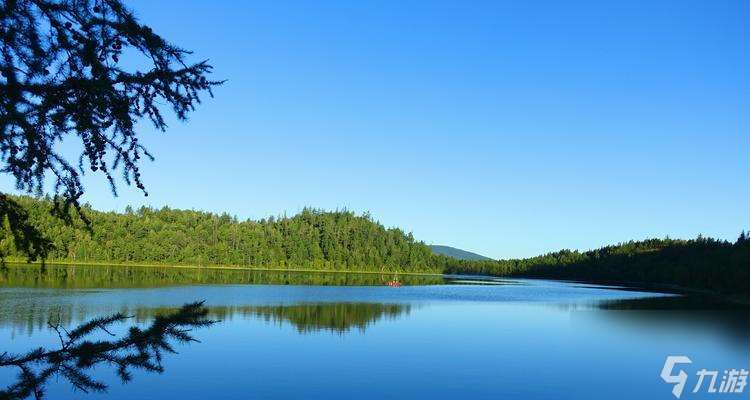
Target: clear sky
x: 505, y: 128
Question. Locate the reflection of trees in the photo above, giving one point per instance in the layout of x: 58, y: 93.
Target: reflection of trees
x: 81, y: 277
x: 78, y: 354
x: 306, y: 317
x: 694, y: 312
x: 335, y: 317
x: 694, y: 302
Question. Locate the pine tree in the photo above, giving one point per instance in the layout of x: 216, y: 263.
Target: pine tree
x: 743, y: 238
x: 140, y: 349
x: 61, y: 77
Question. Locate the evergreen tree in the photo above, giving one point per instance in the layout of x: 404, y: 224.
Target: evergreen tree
x: 742, y: 239
x: 342, y: 240
x: 62, y: 77
x: 140, y: 349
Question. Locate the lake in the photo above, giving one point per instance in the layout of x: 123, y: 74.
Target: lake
x: 349, y: 336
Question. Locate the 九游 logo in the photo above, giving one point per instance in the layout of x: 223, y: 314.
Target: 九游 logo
x: 732, y: 380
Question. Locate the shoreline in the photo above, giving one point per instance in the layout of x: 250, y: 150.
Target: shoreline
x: 624, y: 285
x: 214, y: 267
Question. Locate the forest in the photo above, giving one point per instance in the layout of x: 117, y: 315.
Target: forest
x: 342, y: 240
x: 312, y: 239
x: 701, y: 263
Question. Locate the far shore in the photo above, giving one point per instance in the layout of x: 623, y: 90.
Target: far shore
x: 215, y: 267
x: 626, y: 285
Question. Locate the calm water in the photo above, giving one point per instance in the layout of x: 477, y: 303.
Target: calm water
x: 310, y: 336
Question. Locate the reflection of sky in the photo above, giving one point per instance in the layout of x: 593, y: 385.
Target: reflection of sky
x: 461, y: 342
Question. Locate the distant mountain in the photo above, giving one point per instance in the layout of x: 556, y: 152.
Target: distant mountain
x: 457, y: 253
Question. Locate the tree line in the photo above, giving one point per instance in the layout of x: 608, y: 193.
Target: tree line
x: 700, y: 263
x: 312, y: 239
x: 343, y: 240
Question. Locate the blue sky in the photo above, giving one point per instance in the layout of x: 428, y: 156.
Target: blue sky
x: 505, y: 128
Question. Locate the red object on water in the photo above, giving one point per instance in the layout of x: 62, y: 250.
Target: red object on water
x: 393, y: 283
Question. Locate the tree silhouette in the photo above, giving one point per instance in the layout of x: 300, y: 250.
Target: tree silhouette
x: 62, y: 77
x: 742, y: 238
x: 139, y: 349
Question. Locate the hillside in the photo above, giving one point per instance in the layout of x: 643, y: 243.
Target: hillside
x: 459, y: 254
x: 312, y: 239
x: 701, y: 263
x: 342, y: 240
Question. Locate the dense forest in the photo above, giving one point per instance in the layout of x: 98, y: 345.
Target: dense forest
x: 312, y: 239
x: 701, y: 263
x: 342, y: 240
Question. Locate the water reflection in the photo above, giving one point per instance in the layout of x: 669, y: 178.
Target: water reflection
x: 80, y: 352
x: 30, y: 316
x: 333, y: 317
x: 692, y: 313
x: 87, y: 277
x: 425, y: 341
x: 677, y: 302
x: 306, y: 317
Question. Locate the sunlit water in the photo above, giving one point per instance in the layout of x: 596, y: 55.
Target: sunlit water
x: 437, y: 339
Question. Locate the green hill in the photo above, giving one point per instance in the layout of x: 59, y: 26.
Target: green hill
x: 342, y: 240
x: 457, y: 253
x: 312, y: 239
x: 701, y: 263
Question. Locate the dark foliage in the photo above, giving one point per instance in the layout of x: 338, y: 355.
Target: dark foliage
x: 139, y: 349
x: 342, y: 240
x: 701, y: 263
x: 312, y: 239
x: 62, y: 78
x: 25, y: 237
